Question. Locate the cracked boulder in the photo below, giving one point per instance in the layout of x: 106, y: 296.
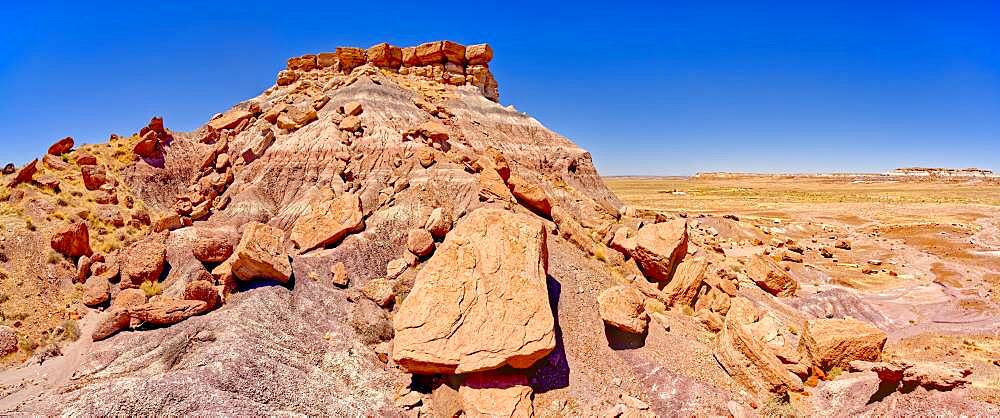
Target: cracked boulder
x: 481, y: 301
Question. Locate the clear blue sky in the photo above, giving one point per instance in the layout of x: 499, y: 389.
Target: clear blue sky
x: 648, y: 88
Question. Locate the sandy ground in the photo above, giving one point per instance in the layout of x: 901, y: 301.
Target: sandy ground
x: 925, y: 255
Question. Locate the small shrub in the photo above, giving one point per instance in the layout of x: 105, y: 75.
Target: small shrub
x: 151, y: 288
x: 834, y: 373
x: 30, y: 225
x: 3, y: 296
x: 71, y: 331
x: 655, y: 306
x: 687, y: 310
x: 54, y: 257
x: 793, y: 330
x: 778, y: 406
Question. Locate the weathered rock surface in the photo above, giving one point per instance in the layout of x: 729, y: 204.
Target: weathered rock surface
x: 683, y: 287
x: 166, y: 311
x: 73, y: 240
x: 261, y: 255
x: 97, y: 291
x: 659, y: 248
x: 142, y: 262
x: 830, y: 343
x: 752, y: 364
x: 936, y: 376
x: 496, y: 394
x: 481, y: 301
x: 770, y: 276
x: 327, y: 222
x: 62, y: 146
x: 622, y: 307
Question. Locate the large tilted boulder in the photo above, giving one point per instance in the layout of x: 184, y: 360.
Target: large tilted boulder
x: 327, y: 222
x: 829, y: 343
x: 751, y: 363
x: 770, y: 276
x: 622, y: 307
x: 683, y: 287
x: 530, y: 195
x: 660, y: 247
x: 73, y: 240
x: 481, y: 302
x: 260, y: 255
x: 496, y: 394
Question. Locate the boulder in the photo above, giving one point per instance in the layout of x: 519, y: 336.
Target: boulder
x: 304, y: 63
x: 97, y: 291
x: 887, y: 372
x: 843, y: 245
x: 481, y: 301
x: 496, y: 394
x: 622, y: 307
x: 86, y: 159
x: 165, y: 311
x: 829, y: 343
x: 624, y: 240
x: 25, y: 174
x: 72, y: 240
x: 295, y: 117
x: 211, y: 247
x: 230, y: 119
x: 770, y: 276
x: 385, y: 55
x: 420, y: 242
x: 845, y: 396
x: 492, y: 187
x: 110, y: 322
x: 167, y: 221
x: 936, y: 376
x: 351, y: 109
x: 479, y: 54
x: 379, y: 291
x: 340, y: 277
x: 752, y: 364
x: 141, y: 262
x: 62, y: 146
x: 350, y: 124
x: 350, y: 58
x: 83, y: 265
x: 204, y: 291
x: 683, y: 287
x: 8, y: 340
x: 660, y: 247
x: 94, y: 176
x: 431, y: 130
x: 148, y: 146
x: 327, y: 222
x: 286, y: 77
x: 260, y: 255
x: 438, y: 223
x: 54, y: 162
x: 530, y: 195
x: 9, y: 169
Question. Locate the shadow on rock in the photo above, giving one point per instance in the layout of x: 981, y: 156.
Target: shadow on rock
x: 552, y: 372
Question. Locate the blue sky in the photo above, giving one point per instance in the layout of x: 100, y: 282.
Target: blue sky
x: 651, y: 88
